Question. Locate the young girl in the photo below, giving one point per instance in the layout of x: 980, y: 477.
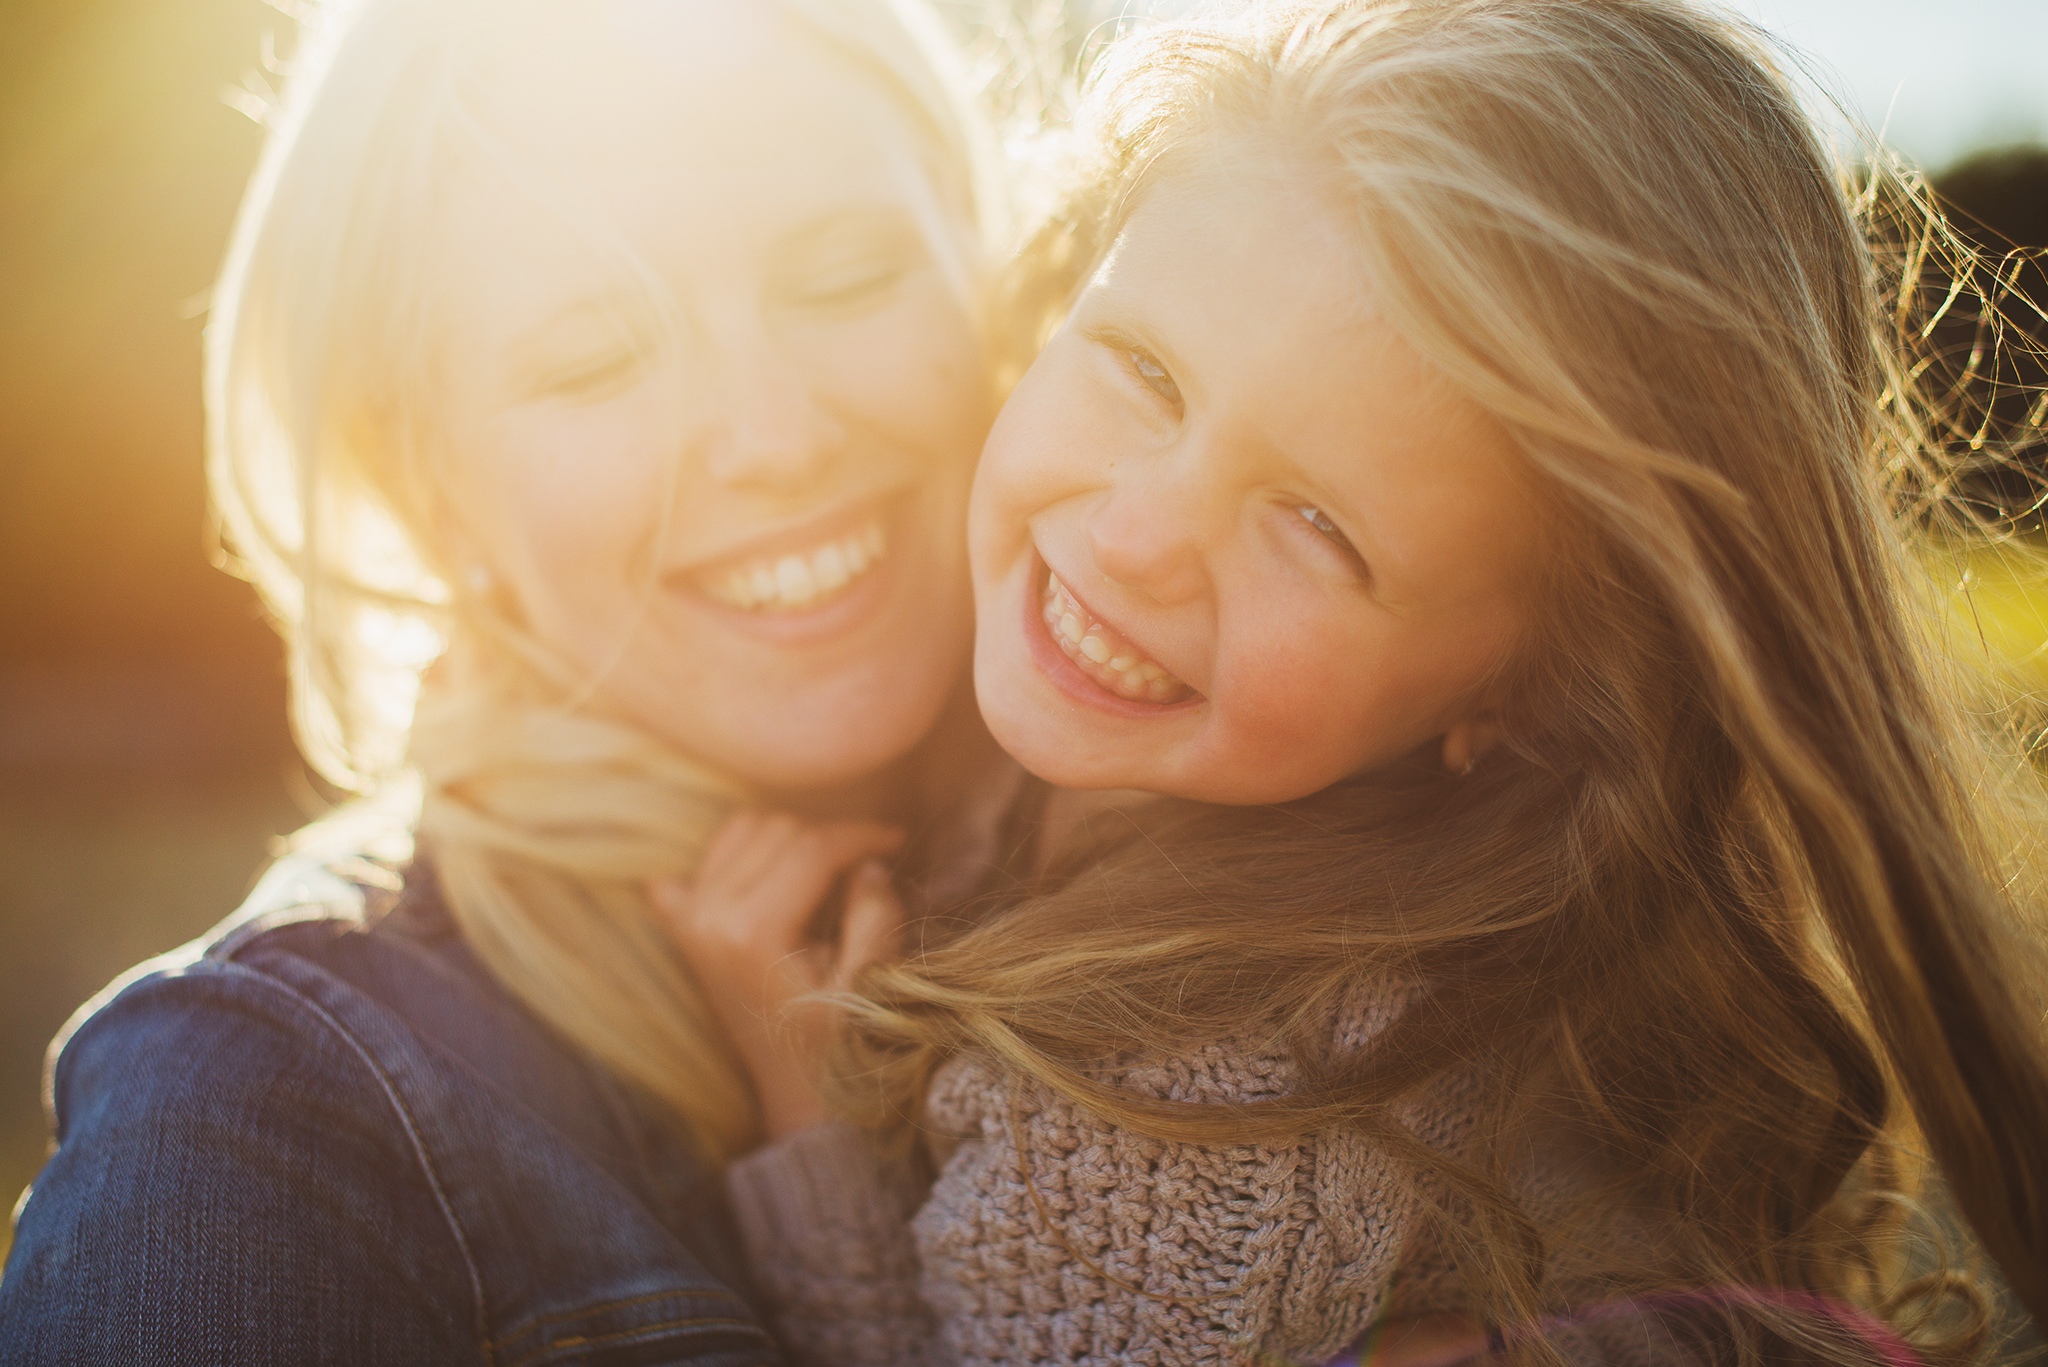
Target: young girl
x: 1468, y: 475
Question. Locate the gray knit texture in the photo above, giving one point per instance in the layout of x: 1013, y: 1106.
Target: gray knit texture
x: 1119, y: 1249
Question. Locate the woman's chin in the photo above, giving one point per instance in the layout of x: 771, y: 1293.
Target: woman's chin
x: 831, y: 735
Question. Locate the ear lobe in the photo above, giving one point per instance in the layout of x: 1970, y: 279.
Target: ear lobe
x: 1468, y: 740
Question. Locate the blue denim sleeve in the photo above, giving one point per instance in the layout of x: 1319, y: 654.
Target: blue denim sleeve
x: 232, y: 1185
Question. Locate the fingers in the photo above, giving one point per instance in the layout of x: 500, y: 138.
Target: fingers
x: 740, y: 849
x: 756, y: 845
x: 874, y: 923
x: 763, y: 878
x: 743, y: 924
x: 788, y: 892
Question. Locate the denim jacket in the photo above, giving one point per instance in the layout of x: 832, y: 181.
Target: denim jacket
x: 323, y: 1133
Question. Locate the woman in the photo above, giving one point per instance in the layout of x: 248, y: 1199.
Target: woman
x: 626, y: 361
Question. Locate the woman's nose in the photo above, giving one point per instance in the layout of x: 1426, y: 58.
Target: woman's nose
x: 1147, y: 535
x: 773, y: 434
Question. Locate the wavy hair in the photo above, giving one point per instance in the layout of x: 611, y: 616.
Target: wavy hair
x: 542, y: 816
x: 1748, y: 902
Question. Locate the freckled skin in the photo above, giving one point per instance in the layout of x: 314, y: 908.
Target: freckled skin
x: 753, y: 176
x: 1170, y: 493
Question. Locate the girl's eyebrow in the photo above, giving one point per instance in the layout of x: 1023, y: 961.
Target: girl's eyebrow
x: 1109, y: 334
x: 1123, y: 329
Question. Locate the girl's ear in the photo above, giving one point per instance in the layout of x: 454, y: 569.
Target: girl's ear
x: 1469, y: 739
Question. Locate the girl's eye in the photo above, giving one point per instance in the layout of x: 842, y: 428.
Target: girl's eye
x: 1155, y: 377
x: 1330, y: 531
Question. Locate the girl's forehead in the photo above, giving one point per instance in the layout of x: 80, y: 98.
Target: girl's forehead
x: 1231, y: 176
x: 1266, y: 220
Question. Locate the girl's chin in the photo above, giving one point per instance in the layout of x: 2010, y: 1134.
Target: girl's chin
x: 1038, y: 727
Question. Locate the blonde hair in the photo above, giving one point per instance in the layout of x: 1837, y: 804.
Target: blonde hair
x: 542, y: 816
x: 1748, y: 900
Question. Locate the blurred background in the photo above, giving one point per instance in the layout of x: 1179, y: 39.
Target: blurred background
x: 144, y: 762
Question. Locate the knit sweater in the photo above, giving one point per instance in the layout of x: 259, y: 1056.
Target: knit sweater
x: 1052, y: 1237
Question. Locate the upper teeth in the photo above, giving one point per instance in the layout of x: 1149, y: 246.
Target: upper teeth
x: 1104, y: 655
x: 799, y: 579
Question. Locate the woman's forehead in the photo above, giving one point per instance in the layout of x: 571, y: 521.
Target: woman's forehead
x: 754, y: 113
x: 670, y: 34
x: 596, y: 170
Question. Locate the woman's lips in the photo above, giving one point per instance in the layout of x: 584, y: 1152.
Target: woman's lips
x: 808, y: 584
x: 801, y: 578
x: 1075, y: 674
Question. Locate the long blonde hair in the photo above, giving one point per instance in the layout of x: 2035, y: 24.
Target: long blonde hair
x: 1748, y: 902
x: 542, y: 816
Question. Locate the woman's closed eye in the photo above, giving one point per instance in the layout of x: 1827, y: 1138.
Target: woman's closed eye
x: 848, y: 262
x: 851, y: 285
x: 589, y: 377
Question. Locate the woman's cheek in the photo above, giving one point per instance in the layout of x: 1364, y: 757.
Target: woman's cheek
x: 565, y: 507
x: 910, y: 371
x: 592, y: 475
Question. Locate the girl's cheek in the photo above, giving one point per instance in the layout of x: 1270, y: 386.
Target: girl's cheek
x: 1004, y: 498
x: 1293, y: 690
x: 908, y: 371
x: 1302, y: 693
x: 1055, y: 438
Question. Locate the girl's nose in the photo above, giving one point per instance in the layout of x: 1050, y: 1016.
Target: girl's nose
x: 1147, y: 535
x: 774, y: 435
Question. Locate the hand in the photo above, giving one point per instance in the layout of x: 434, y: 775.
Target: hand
x: 748, y: 927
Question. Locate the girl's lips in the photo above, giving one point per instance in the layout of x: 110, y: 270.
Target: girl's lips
x: 1066, y: 676
x: 1103, y: 653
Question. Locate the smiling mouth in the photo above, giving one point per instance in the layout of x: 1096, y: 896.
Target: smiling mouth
x: 1103, y: 654
x: 799, y: 580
